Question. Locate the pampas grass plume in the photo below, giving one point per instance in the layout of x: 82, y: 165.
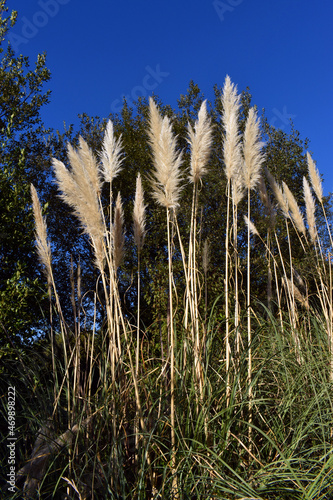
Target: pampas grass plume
x: 139, y: 215
x: 266, y: 201
x: 237, y: 187
x: 310, y: 210
x: 119, y: 238
x: 200, y: 139
x: 294, y: 209
x: 111, y: 154
x: 90, y: 165
x: 297, y: 294
x: 278, y: 193
x: 263, y: 194
x: 231, y: 145
x: 78, y: 189
x: 230, y: 100
x: 43, y: 246
x: 251, y: 226
x: 155, y: 121
x: 167, y: 160
x: 253, y: 156
x: 84, y: 167
x: 315, y: 178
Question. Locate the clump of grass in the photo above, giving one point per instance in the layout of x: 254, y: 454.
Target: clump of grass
x: 212, y: 419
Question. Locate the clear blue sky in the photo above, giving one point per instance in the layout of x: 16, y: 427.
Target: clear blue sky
x: 100, y: 50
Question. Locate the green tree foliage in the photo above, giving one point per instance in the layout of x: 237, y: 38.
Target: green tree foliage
x: 22, y: 156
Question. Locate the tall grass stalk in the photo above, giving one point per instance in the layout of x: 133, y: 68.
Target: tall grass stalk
x: 318, y: 189
x: 199, y: 138
x: 237, y: 195
x: 139, y: 235
x: 44, y: 254
x: 232, y: 161
x: 253, y: 159
x: 166, y: 190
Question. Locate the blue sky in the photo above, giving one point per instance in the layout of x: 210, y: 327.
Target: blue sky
x: 99, y: 51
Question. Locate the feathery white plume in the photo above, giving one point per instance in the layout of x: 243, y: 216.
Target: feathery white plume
x: 118, y: 233
x: 251, y: 226
x: 139, y: 214
x: 111, y: 154
x: 237, y: 187
x: 231, y: 145
x: 310, y: 210
x: 80, y: 188
x: 200, y: 139
x: 167, y: 160
x: 42, y: 244
x: 279, y: 195
x: 315, y: 178
x: 253, y: 156
x: 294, y: 209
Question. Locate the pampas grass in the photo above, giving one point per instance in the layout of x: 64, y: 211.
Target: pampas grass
x: 279, y: 195
x: 254, y: 422
x: 166, y: 191
x: 294, y: 209
x: 78, y: 189
x: 44, y: 253
x: 252, y: 151
x: 251, y: 166
x: 315, y: 178
x: 310, y: 211
x: 200, y: 139
x: 118, y: 233
x: 43, y: 248
x: 139, y: 215
x: 42, y: 244
x: 167, y: 160
x: 139, y: 231
x: 318, y: 189
x: 111, y: 155
x: 232, y: 161
x: 291, y: 211
x: 232, y: 140
x: 252, y: 228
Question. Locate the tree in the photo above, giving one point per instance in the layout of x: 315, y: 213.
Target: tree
x: 22, y: 154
